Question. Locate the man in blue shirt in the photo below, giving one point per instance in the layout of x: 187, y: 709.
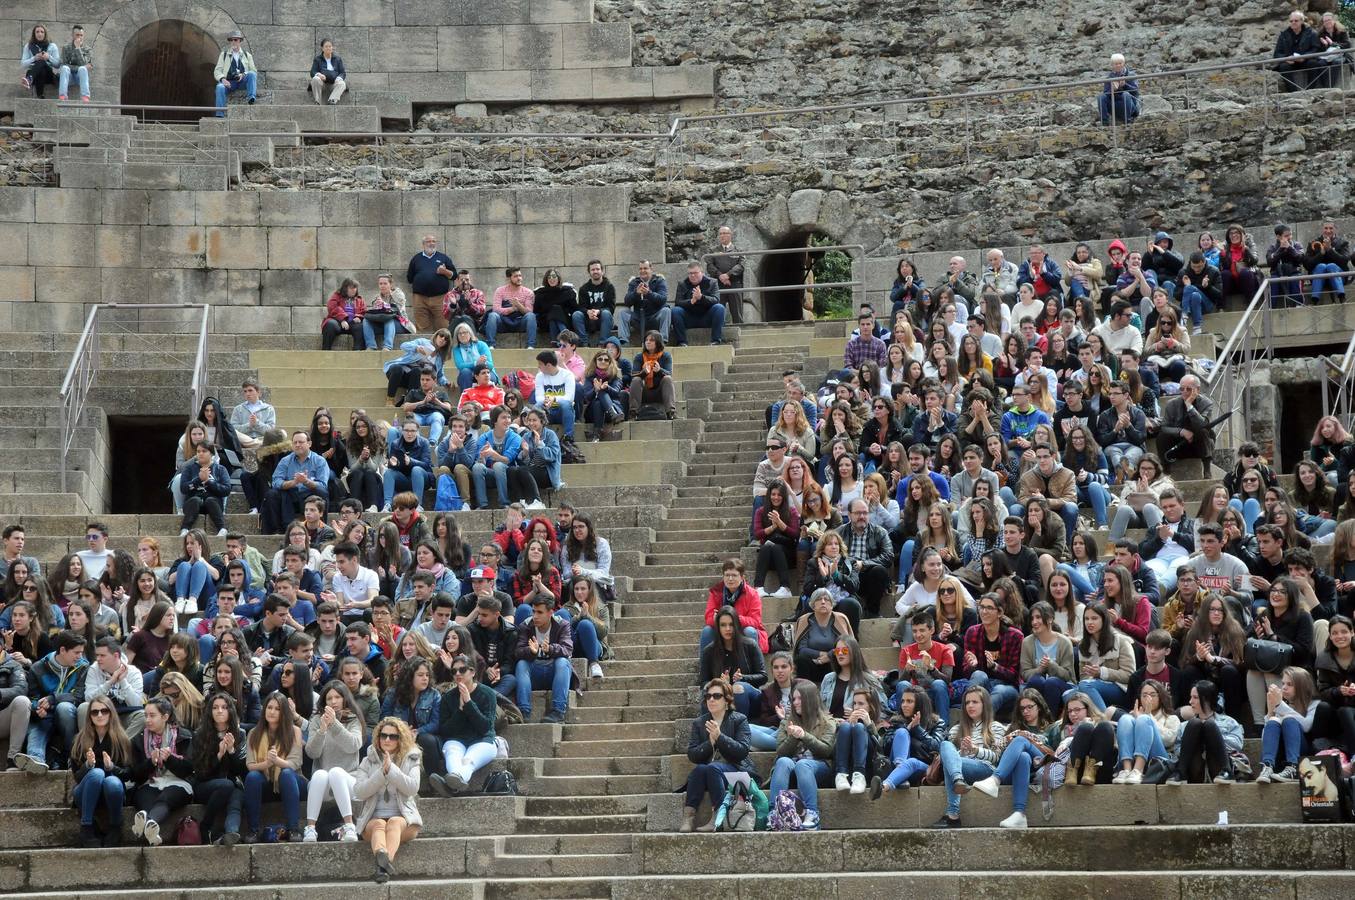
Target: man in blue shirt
x: 300, y: 474
x: 430, y: 277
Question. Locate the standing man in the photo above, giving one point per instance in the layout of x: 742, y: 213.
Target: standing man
x: 78, y: 61
x: 1186, y: 429
x: 727, y: 264
x: 1120, y: 95
x: 430, y: 275
x: 512, y: 309
x: 646, y: 305
x: 698, y: 304
x: 234, y: 70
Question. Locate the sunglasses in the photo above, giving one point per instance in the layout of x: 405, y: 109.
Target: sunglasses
x: 99, y: 712
x: 460, y: 670
x: 715, y: 695
x: 389, y: 736
x: 945, y: 590
x: 93, y: 537
x: 30, y: 587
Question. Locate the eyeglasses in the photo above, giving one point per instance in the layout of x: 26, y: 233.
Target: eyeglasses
x: 389, y: 736
x: 715, y: 695
x: 1025, y: 706
x: 93, y: 537
x: 987, y: 607
x: 100, y: 711
x: 460, y: 670
x: 1251, y: 480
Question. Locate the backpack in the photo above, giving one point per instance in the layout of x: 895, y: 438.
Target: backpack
x: 501, y: 782
x: 650, y: 412
x: 524, y: 381
x: 188, y: 833
x: 787, y: 813
x: 448, y: 497
x: 570, y: 454
x: 736, y: 813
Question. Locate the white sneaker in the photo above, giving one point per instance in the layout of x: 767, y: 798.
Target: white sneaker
x: 254, y: 510
x: 595, y: 671
x: 762, y: 592
x: 348, y: 834
x: 309, y: 836
x: 1134, y: 777
x: 535, y: 504
x: 152, y: 833
x: 563, y: 485
x: 1266, y: 774
x: 1121, y: 776
x: 987, y: 785
x: 372, y: 508
x: 139, y: 823
x: 781, y: 592
x: 186, y: 605
x: 858, y: 783
x: 183, y: 532
x: 221, y: 533
x: 1015, y: 820
x: 842, y: 782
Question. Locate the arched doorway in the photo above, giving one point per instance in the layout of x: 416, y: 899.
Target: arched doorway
x: 169, y: 63
x: 785, y: 268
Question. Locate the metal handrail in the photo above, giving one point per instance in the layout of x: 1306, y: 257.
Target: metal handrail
x: 198, y: 387
x: 1257, y: 306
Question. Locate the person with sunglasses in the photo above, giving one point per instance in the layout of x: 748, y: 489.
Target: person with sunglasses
x: 466, y: 727
x: 388, y: 786
x: 720, y: 741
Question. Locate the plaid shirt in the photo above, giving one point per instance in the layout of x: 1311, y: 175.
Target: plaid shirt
x: 1008, y: 654
x: 857, y: 550
x: 861, y: 349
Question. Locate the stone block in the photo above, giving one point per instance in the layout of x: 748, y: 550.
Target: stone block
x: 289, y: 208
x: 57, y: 245
x: 344, y: 117
x: 171, y: 207
x: 292, y: 287
x: 427, y: 12
x: 353, y: 44
x: 459, y: 207
x: 639, y: 240
x: 532, y: 47
x: 292, y: 248
x: 543, y: 205
x: 684, y: 81
x: 536, y: 245
x: 495, y: 12
x: 405, y: 50
x: 242, y: 285
x: 623, y: 84
x: 379, y: 208
x: 499, y: 87
x: 188, y: 286
x: 63, y: 284
x: 499, y: 207
x: 172, y: 247
x: 202, y: 178
x: 482, y: 248
x: 278, y: 48
x: 562, y: 84
x: 471, y: 110
x: 589, y: 240
x: 308, y: 12
x: 597, y: 45
x: 13, y: 244
x: 419, y: 208
x: 16, y: 283
x: 125, y: 207
x: 442, y: 87
x: 399, y: 243
x: 352, y: 247
x: 609, y: 203
x: 253, y: 320
x: 68, y: 205
x: 227, y: 208
x: 102, y: 867
x: 470, y: 48
x: 247, y: 12
x: 124, y: 285
x: 338, y: 207
x: 560, y: 11
x: 236, y: 248
x: 369, y: 12
x: 16, y: 204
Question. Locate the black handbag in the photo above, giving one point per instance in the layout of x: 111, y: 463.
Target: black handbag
x: 1268, y: 656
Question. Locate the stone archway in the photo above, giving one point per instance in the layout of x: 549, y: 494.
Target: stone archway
x: 791, y: 221
x: 169, y: 63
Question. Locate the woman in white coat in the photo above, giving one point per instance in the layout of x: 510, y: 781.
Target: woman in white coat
x: 388, y: 786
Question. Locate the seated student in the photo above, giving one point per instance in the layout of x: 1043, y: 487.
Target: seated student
x: 1283, y: 620
x: 831, y: 570
x: 1125, y: 597
x: 162, y: 767
x: 326, y: 633
x: 386, y: 635
x: 805, y: 741
x: 334, y: 739
x: 428, y: 405
x: 926, y: 664
x: 1149, y: 733
x: 300, y: 611
x: 1208, y: 738
x: 436, y: 616
x: 274, y: 757
x: 1336, y: 681
x: 971, y: 756
x: 267, y: 638
x: 652, y: 381
x: 56, y: 688
x: 354, y: 586
x: 1087, y: 741
x: 734, y: 657
x: 1047, y: 661
x: 1107, y: 658
x: 917, y: 735
x: 359, y: 645
x: 301, y: 651
x: 181, y: 655
x: 194, y: 575
x: 992, y: 655
x: 495, y: 640
x: 1157, y: 649
x: 205, y: 485
x: 466, y: 729
x: 408, y: 465
x: 101, y: 768
x: 1170, y: 542
x: 219, y: 766
x: 112, y: 676
x: 496, y: 451
x: 484, y: 586
x: 414, y: 701
x: 545, y: 646
x: 1021, y: 561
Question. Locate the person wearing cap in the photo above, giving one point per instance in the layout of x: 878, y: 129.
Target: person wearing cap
x: 1165, y: 263
x: 1120, y: 94
x: 484, y: 585
x: 545, y: 646
x: 1285, y: 257
x: 234, y: 70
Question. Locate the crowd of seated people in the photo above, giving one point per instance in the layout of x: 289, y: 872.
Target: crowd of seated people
x: 331, y: 678
x: 973, y: 499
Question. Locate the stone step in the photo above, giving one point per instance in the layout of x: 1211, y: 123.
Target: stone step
x: 638, y: 610
x: 688, y: 623
x: 552, y: 866
x: 568, y: 787
x: 585, y: 824
x: 611, y: 694
x: 586, y: 804
x: 631, y: 747
x: 682, y: 582
x: 649, y: 682
x: 579, y: 766
x: 567, y: 843
x: 624, y: 731
x: 618, y: 714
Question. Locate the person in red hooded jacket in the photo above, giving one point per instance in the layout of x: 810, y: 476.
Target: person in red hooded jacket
x: 343, y: 315
x: 734, y: 590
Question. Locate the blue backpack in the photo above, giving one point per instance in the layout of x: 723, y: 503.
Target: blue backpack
x: 448, y: 498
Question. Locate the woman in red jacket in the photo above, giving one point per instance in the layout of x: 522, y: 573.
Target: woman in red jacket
x: 734, y: 590
x: 343, y: 315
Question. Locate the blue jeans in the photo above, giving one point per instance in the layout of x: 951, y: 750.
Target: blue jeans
x: 1051, y: 687
x: 1335, y: 285
x: 906, y: 560
x: 938, y: 691
x: 1095, y: 495
x: 222, y: 90
x: 960, y: 768
x: 764, y: 737
x: 82, y: 77
x: 708, y: 637
x: 586, y: 643
x: 479, y: 472
x: 905, y: 765
x: 851, y: 749
x: 712, y: 317
x: 707, y: 780
x: 1138, y: 737
x: 435, y: 421
x: 807, y: 772
x: 1003, y: 694
x: 1013, y: 767
x: 1316, y: 526
x: 193, y: 580
x: 1166, y: 574
x: 99, y: 788
x: 1079, y: 580
x: 224, y: 800
x: 1250, y: 509
x: 562, y: 414
x: 1130, y: 453
x: 553, y: 673
x: 1125, y: 106
x: 290, y: 789
x: 580, y: 322
x: 1007, y: 496
x: 387, y: 334
x: 1102, y: 693
x: 1288, y: 730
x: 394, y: 482
x: 1195, y: 304
x: 494, y: 322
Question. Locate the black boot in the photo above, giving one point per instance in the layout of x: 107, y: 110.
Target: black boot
x: 89, y: 837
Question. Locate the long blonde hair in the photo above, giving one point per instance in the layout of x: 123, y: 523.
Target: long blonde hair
x: 406, y: 744
x: 188, y: 705
x: 117, y: 737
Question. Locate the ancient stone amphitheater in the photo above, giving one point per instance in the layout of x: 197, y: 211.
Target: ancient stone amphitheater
x: 254, y: 218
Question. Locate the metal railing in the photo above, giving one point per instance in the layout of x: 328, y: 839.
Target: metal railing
x: 1252, y: 343
x: 83, y: 371
x: 856, y: 284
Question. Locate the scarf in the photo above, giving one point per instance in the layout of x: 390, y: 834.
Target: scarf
x: 1235, y: 252
x: 651, y: 358
x: 167, y: 739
